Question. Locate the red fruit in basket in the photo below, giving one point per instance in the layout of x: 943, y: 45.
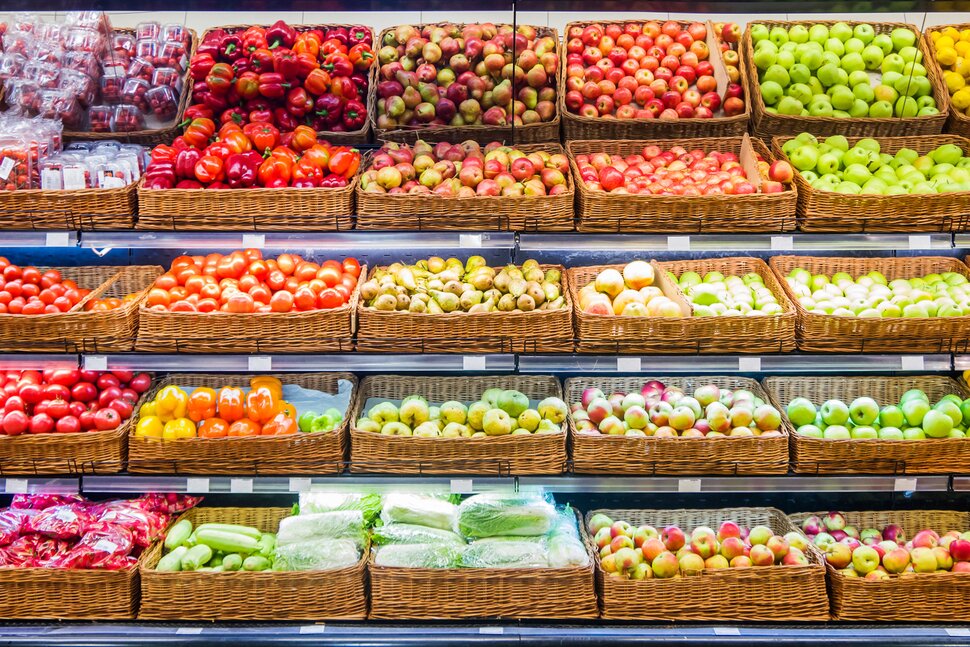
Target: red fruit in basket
x: 107, y: 379
x: 84, y: 392
x: 32, y: 393
x: 88, y: 375
x: 87, y: 420
x: 68, y: 425
x: 15, y: 423
x: 130, y: 395
x: 107, y: 419
x: 55, y: 391
x: 41, y: 423
x: 107, y: 395
x: 140, y: 382
x: 67, y: 377
x: 123, y: 376
x: 123, y: 407
x: 58, y: 408
x: 14, y: 403
x: 76, y: 408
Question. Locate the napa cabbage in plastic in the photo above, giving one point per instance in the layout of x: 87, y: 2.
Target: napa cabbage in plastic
x: 501, y: 515
x: 505, y: 554
x: 419, y: 555
x: 340, y: 524
x: 316, y: 555
x: 408, y: 533
x: 419, y: 509
x: 314, y: 502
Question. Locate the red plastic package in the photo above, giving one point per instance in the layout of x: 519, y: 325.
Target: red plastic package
x: 171, y: 502
x: 105, y: 547
x: 41, y: 501
x: 12, y: 524
x: 144, y: 525
x: 61, y: 522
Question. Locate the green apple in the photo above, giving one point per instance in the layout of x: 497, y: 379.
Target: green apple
x: 765, y: 57
x: 852, y: 62
x: 905, y: 107
x: 937, y: 424
x: 800, y: 73
x: 890, y: 433
x: 924, y: 92
x: 760, y: 32
x: 820, y: 108
x: 839, y: 142
x: 811, y: 58
x: 778, y: 36
x: 786, y: 57
x: 859, y: 77
x: 818, y: 34
x: 913, y: 433
x: 946, y: 154
x: 849, y: 188
x: 854, y: 45
x: 951, y: 409
x: 892, y: 63
x: 827, y: 163
x: 798, y: 91
x: 891, y: 416
x: 915, y: 410
x: 801, y: 412
x: 835, y: 46
x: 872, y: 56
x: 840, y: 30
x: 864, y: 32
x: 778, y: 74
x: 842, y: 97
x: 790, y: 106
x: 902, y: 37
x: 863, y: 411
x: 835, y: 412
x: 836, y: 432
x: 864, y: 433
x: 911, y: 54
x: 883, y: 42
x: 905, y: 87
x: 771, y: 92
x: 809, y: 431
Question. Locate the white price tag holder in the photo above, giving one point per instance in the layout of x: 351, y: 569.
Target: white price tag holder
x: 257, y: 241
x: 920, y: 241
x: 782, y: 243
x: 196, y: 485
x: 96, y: 362
x: 904, y: 485
x: 473, y: 363
x: 241, y: 486
x: 300, y: 484
x: 15, y: 486
x: 188, y: 631
x: 627, y: 364
x: 749, y: 364
x: 260, y: 363
x: 911, y: 363
x: 726, y: 631
x: 313, y: 629
x: 470, y: 240
x: 58, y: 239
x: 958, y: 632
x: 689, y: 485
x: 461, y: 486
x: 495, y: 631
x: 678, y: 243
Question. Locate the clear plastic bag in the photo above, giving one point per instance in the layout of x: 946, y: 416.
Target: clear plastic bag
x: 406, y: 533
x: 319, y: 555
x: 340, y: 524
x: 505, y: 554
x: 419, y: 555
x: 500, y: 514
x: 368, y: 504
x: 419, y: 509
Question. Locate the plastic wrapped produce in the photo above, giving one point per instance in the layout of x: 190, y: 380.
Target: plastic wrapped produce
x: 317, y: 555
x: 419, y: 555
x: 61, y: 521
x: 419, y: 509
x: 406, y: 533
x: 368, y: 504
x: 496, y: 515
x: 505, y: 554
x: 564, y: 551
x: 340, y: 524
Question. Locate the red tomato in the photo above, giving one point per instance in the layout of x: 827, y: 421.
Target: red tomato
x: 281, y: 301
x: 15, y: 423
x: 49, y: 278
x: 84, y: 392
x: 68, y: 425
x: 33, y: 308
x: 260, y: 294
x: 207, y: 305
x: 304, y: 298
x: 41, y: 423
x: 194, y: 283
x: 30, y: 290
x: 157, y: 296
x: 330, y: 298
x: 329, y: 275
x: 240, y: 302
x: 306, y: 271
x: 31, y: 275
x: 286, y: 262
x: 276, y: 280
x: 166, y: 281
x: 343, y: 291
x: 58, y: 408
x: 247, y: 282
x: 11, y: 272
x: 352, y: 266
x: 252, y: 255
x: 182, y: 306
x: 259, y: 269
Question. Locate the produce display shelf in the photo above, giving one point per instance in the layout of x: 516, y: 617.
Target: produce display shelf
x: 729, y: 484
x: 960, y: 484
x: 28, y: 239
x: 288, y: 485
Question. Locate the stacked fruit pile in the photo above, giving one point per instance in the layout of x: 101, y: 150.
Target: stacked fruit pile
x: 717, y: 295
x: 630, y: 293
x: 952, y: 48
x: 28, y: 291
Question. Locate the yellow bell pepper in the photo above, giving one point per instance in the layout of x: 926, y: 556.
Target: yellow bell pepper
x: 147, y: 409
x: 273, y: 384
x: 149, y: 427
x: 179, y: 429
x: 171, y: 403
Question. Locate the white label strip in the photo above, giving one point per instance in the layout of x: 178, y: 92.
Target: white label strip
x: 920, y: 241
x: 470, y: 240
x: 241, y: 486
x: 678, y: 243
x: 188, y: 631
x: 254, y: 240
x: 491, y: 630
x: 260, y: 363
x: 627, y: 364
x: 473, y: 363
x: 313, y: 629
x: 96, y: 362
x: 16, y: 486
x: 300, y: 485
x: 958, y: 632
x: 689, y: 485
x: 726, y: 631
x: 58, y: 239
x: 461, y: 486
x: 782, y: 243
x: 904, y: 485
x: 911, y: 363
x: 749, y: 364
x: 194, y: 485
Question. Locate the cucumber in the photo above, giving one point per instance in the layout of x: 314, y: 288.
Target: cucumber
x: 197, y: 557
x: 231, y: 527
x: 256, y: 563
x: 267, y: 544
x: 232, y: 562
x: 191, y: 541
x: 217, y: 560
x: 173, y: 561
x: 211, y: 569
x: 230, y: 542
x: 178, y: 534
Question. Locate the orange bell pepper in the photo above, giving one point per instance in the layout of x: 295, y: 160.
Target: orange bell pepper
x: 268, y: 381
x: 232, y: 403
x: 288, y: 409
x: 213, y: 428
x: 244, y: 427
x: 262, y: 404
x: 202, y: 404
x: 280, y: 425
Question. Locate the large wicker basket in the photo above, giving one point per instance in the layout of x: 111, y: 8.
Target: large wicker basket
x: 538, y: 331
x: 496, y: 455
x: 525, y: 134
x: 85, y: 209
x: 765, y: 124
x: 829, y: 333
x: 115, y: 330
x: 869, y: 456
x: 958, y: 123
x: 579, y: 127
x: 481, y: 213
x: 269, y: 332
x: 447, y: 594
x: 828, y: 211
x: 637, y: 455
x: 599, y: 211
x: 756, y: 594
x: 337, y: 594
x: 295, y: 454
x: 909, y: 597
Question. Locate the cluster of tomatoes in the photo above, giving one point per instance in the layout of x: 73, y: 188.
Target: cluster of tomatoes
x: 31, y: 291
x: 245, y: 282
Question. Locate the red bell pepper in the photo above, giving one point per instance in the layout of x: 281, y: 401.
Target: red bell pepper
x: 199, y: 132
x: 308, y: 42
x: 185, y: 162
x: 355, y: 115
x: 194, y: 112
x: 209, y: 169
x: 272, y: 85
x: 298, y: 102
x: 303, y: 138
x: 339, y: 33
x: 218, y: 185
x: 285, y: 63
x: 317, y: 82
x: 261, y: 116
x: 219, y: 79
x: 319, y: 154
x: 189, y: 184
x: 334, y: 181
x: 359, y: 34
x: 275, y: 172
x: 285, y: 153
x: 179, y: 143
x: 219, y: 149
x: 215, y: 103
x: 280, y: 34
x: 361, y: 57
x: 242, y: 64
x: 162, y: 152
x: 264, y: 136
x: 360, y: 80
x: 158, y: 182
x: 305, y: 63
x: 247, y: 85
x: 230, y: 47
x: 199, y: 66
x: 237, y: 142
x: 329, y: 108
x: 210, y: 42
x: 332, y: 46
x: 160, y: 174
x: 242, y: 169
x: 234, y: 115
x: 344, y: 88
x: 344, y: 161
x: 261, y: 60
x: 254, y: 38
x: 306, y: 171
x: 284, y: 119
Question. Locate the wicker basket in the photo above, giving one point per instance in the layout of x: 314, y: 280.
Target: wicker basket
x: 482, y: 213
x: 828, y: 211
x: 437, y: 593
x: 538, y: 331
x: 499, y: 456
x: 295, y: 454
x: 115, y: 330
x: 766, y: 593
x: 155, y: 136
x: 829, y: 333
x: 957, y: 123
x: 635, y: 455
x: 864, y: 456
x: 599, y: 211
x: 269, y: 332
x: 87, y: 209
x: 483, y: 134
x: 337, y: 594
x: 767, y: 125
x: 579, y: 127
x: 910, y: 597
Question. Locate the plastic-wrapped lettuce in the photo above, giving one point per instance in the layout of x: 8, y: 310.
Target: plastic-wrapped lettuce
x: 563, y: 545
x: 316, y: 555
x: 407, y: 533
x: 505, y: 554
x: 419, y: 509
x: 499, y: 514
x: 419, y: 555
x: 368, y: 504
x: 340, y: 524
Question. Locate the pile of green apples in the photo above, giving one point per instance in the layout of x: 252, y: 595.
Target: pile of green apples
x: 912, y: 418
x: 841, y: 71
x: 717, y: 295
x: 499, y: 412
x: 870, y: 295
x: 833, y: 165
